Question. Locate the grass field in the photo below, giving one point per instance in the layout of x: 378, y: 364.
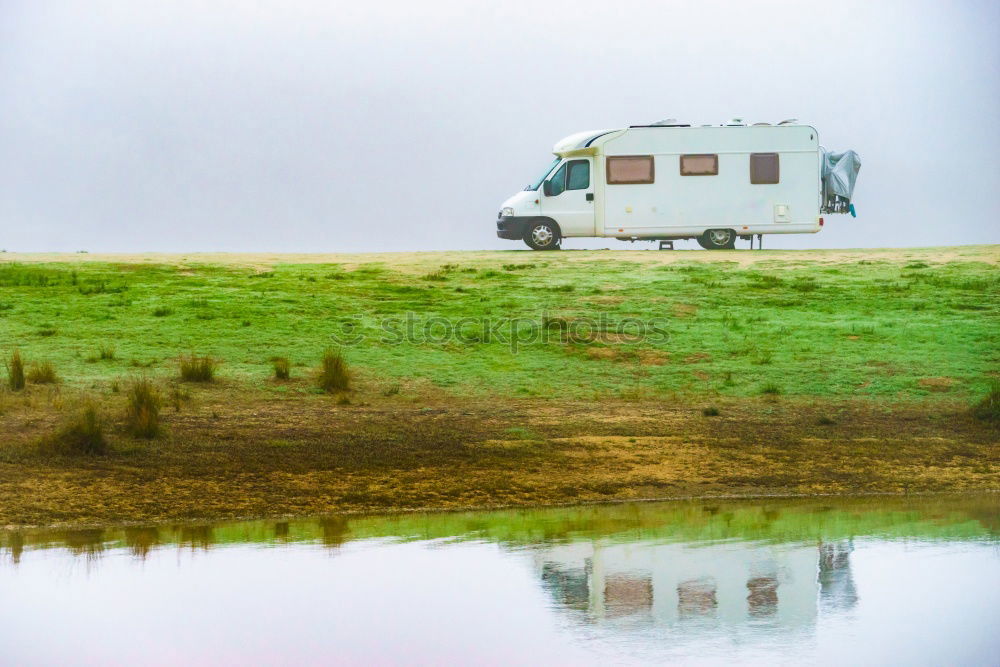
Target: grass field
x: 496, y: 367
x: 899, y: 325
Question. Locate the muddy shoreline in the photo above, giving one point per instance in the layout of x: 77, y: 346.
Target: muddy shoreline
x: 225, y: 458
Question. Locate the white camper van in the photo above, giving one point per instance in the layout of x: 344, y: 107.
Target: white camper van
x: 670, y: 181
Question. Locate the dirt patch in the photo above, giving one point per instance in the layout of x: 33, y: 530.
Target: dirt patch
x: 697, y: 357
x: 650, y: 357
x: 602, y: 353
x: 232, y: 453
x: 628, y: 353
x: 619, y: 338
x: 938, y: 383
x: 684, y: 310
x: 605, y: 300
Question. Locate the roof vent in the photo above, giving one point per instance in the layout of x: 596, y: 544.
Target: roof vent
x: 736, y: 122
x: 669, y: 122
x: 790, y: 121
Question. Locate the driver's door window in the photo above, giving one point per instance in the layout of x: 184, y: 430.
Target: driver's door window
x: 569, y: 198
x: 572, y: 175
x: 557, y: 184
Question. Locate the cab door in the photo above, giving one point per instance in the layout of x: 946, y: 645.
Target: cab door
x: 568, y: 197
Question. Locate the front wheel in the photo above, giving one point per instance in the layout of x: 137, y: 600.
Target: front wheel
x: 542, y: 236
x: 718, y: 239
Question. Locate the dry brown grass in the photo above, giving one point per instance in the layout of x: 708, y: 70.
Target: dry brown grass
x: 419, y: 263
x: 15, y: 371
x: 142, y: 410
x: 194, y: 368
x: 334, y: 374
x: 282, y: 368
x: 988, y: 408
x: 938, y: 384
x: 81, y: 434
x: 42, y: 372
x: 247, y: 453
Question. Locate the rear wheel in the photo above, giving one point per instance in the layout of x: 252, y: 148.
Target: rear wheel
x: 718, y: 239
x: 543, y: 235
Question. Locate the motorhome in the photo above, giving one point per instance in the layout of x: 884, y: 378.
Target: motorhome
x: 670, y: 181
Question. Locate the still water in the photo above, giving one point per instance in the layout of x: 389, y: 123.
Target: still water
x: 873, y: 581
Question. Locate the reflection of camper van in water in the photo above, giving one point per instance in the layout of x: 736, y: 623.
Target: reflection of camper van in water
x: 674, y: 582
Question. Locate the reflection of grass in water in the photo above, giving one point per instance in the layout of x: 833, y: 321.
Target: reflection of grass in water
x: 202, y: 536
x: 140, y: 541
x: 333, y: 530
x: 88, y: 542
x: 973, y: 517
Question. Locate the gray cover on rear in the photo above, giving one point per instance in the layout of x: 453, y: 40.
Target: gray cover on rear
x: 840, y: 172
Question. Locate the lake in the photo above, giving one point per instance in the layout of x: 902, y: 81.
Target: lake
x: 900, y: 580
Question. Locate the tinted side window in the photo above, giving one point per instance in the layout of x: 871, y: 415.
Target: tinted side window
x: 558, y: 181
x: 699, y: 165
x: 630, y: 169
x: 579, y: 175
x: 764, y: 168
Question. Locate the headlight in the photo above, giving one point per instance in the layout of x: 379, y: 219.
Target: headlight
x: 506, y: 211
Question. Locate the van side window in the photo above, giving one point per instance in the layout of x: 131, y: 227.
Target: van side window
x: 557, y: 184
x: 699, y: 165
x: 630, y: 169
x: 764, y: 168
x: 579, y: 175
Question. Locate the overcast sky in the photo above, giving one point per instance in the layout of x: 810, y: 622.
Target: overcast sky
x: 342, y: 126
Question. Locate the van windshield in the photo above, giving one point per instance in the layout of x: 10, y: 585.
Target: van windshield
x: 548, y: 170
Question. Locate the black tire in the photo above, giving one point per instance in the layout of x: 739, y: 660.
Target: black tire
x: 718, y: 239
x: 543, y: 235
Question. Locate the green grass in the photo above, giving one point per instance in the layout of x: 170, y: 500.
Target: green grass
x: 860, y: 325
x: 104, y: 352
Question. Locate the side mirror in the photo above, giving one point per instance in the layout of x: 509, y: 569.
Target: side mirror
x: 547, y: 188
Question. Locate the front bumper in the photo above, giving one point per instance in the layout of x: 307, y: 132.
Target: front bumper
x: 512, y: 227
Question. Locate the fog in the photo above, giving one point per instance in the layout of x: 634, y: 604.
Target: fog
x: 334, y: 126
